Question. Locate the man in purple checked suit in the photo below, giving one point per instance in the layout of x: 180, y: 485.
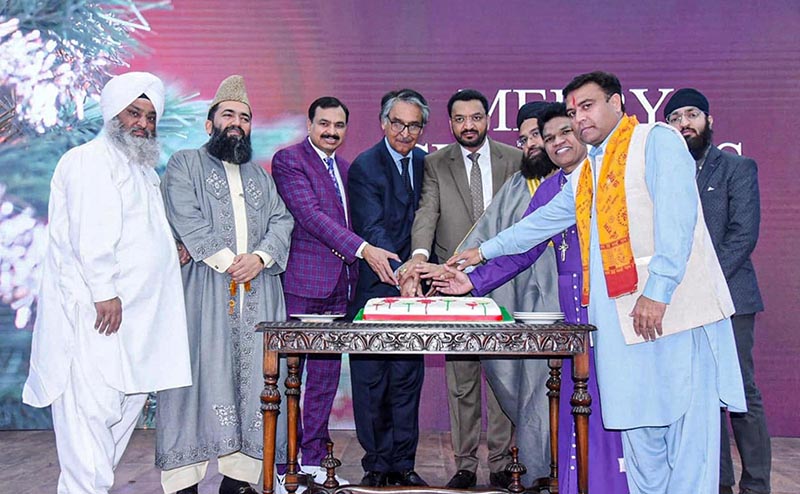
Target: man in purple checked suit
x: 322, y: 268
x: 605, y: 446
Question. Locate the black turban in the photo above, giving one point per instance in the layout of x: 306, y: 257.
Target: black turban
x: 686, y: 97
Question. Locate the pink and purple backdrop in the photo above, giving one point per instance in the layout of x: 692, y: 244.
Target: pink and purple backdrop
x: 744, y: 56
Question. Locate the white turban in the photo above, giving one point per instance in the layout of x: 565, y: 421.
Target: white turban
x: 124, y: 89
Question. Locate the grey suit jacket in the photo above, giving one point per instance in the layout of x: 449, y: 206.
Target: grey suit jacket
x: 728, y: 186
x: 444, y: 216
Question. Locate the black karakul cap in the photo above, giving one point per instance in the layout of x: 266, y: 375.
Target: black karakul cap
x: 531, y: 110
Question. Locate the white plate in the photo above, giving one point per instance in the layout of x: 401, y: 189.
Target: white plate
x: 316, y: 317
x: 539, y: 318
x: 534, y: 315
x: 541, y: 321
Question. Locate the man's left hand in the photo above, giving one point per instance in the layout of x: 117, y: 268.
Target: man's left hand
x: 245, y: 267
x: 647, y: 316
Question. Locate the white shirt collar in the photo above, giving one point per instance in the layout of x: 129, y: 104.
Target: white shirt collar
x: 484, y: 151
x: 322, y: 154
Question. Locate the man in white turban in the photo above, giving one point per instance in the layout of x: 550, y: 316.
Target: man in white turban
x: 111, y: 322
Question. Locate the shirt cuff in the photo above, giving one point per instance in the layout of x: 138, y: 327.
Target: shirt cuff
x: 659, y: 289
x: 221, y: 260
x: 424, y: 252
x: 103, y: 292
x: 361, y: 249
x: 266, y: 258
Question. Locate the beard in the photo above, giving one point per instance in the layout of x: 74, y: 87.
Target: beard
x: 700, y: 142
x: 538, y: 166
x: 477, y: 142
x: 233, y: 149
x: 144, y: 151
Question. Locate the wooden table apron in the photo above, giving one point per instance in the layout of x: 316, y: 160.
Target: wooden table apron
x: 501, y: 339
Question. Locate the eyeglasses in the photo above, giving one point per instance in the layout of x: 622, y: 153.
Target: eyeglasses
x: 398, y: 127
x: 523, y: 140
x: 688, y: 115
x: 476, y: 118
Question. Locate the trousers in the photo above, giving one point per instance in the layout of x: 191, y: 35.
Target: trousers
x: 93, y: 424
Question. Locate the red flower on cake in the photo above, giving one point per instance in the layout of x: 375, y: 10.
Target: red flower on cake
x: 471, y: 304
x: 390, y: 301
x: 426, y: 302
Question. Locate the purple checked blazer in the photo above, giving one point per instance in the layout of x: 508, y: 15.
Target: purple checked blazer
x: 322, y: 242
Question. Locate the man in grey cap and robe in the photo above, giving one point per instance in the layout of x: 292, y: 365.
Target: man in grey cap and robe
x: 111, y: 324
x: 227, y: 213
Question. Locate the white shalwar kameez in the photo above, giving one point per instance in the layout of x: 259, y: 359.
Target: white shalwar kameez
x: 108, y: 237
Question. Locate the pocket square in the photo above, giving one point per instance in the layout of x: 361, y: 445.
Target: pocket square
x: 710, y: 189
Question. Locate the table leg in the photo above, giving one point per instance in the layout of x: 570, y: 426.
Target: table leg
x: 554, y: 393
x: 581, y: 409
x: 270, y: 405
x: 292, y: 416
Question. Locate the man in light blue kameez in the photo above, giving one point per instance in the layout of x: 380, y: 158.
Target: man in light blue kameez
x: 665, y: 353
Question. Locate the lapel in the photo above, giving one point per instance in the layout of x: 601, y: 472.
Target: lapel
x: 459, y: 175
x: 499, y: 167
x: 393, y: 176
x: 316, y: 167
x: 710, y: 167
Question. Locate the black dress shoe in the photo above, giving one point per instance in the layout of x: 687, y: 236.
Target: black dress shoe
x: 233, y: 486
x: 501, y: 479
x: 373, y: 479
x: 407, y: 478
x: 189, y: 490
x: 463, y: 479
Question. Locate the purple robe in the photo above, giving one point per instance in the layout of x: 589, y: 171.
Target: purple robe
x: 605, y: 446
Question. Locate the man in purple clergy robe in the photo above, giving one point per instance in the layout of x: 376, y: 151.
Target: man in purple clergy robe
x: 567, y: 152
x: 322, y: 269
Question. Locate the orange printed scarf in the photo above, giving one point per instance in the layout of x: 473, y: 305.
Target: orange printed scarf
x: 619, y: 267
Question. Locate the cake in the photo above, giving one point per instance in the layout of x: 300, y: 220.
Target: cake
x: 432, y: 309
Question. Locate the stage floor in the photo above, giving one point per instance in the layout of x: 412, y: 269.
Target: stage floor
x: 28, y: 463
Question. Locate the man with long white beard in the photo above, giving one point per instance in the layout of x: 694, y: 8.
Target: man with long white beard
x: 111, y: 324
x: 227, y: 213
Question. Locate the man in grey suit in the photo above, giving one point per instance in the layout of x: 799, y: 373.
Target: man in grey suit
x: 458, y: 184
x: 728, y: 186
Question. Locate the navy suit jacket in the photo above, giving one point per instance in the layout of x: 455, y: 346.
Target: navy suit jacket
x: 728, y: 186
x: 382, y: 213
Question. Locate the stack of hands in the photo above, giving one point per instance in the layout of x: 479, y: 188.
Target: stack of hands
x: 447, y: 278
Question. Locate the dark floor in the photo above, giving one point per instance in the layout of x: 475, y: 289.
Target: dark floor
x: 28, y: 463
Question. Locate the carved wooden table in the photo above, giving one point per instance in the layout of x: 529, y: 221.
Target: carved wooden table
x: 551, y: 340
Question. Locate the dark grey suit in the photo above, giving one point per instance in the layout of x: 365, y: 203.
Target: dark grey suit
x: 728, y: 186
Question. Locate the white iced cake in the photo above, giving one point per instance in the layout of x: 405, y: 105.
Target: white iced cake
x: 432, y: 309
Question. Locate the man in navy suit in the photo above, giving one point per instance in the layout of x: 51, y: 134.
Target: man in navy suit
x: 384, y: 188
x: 728, y: 185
